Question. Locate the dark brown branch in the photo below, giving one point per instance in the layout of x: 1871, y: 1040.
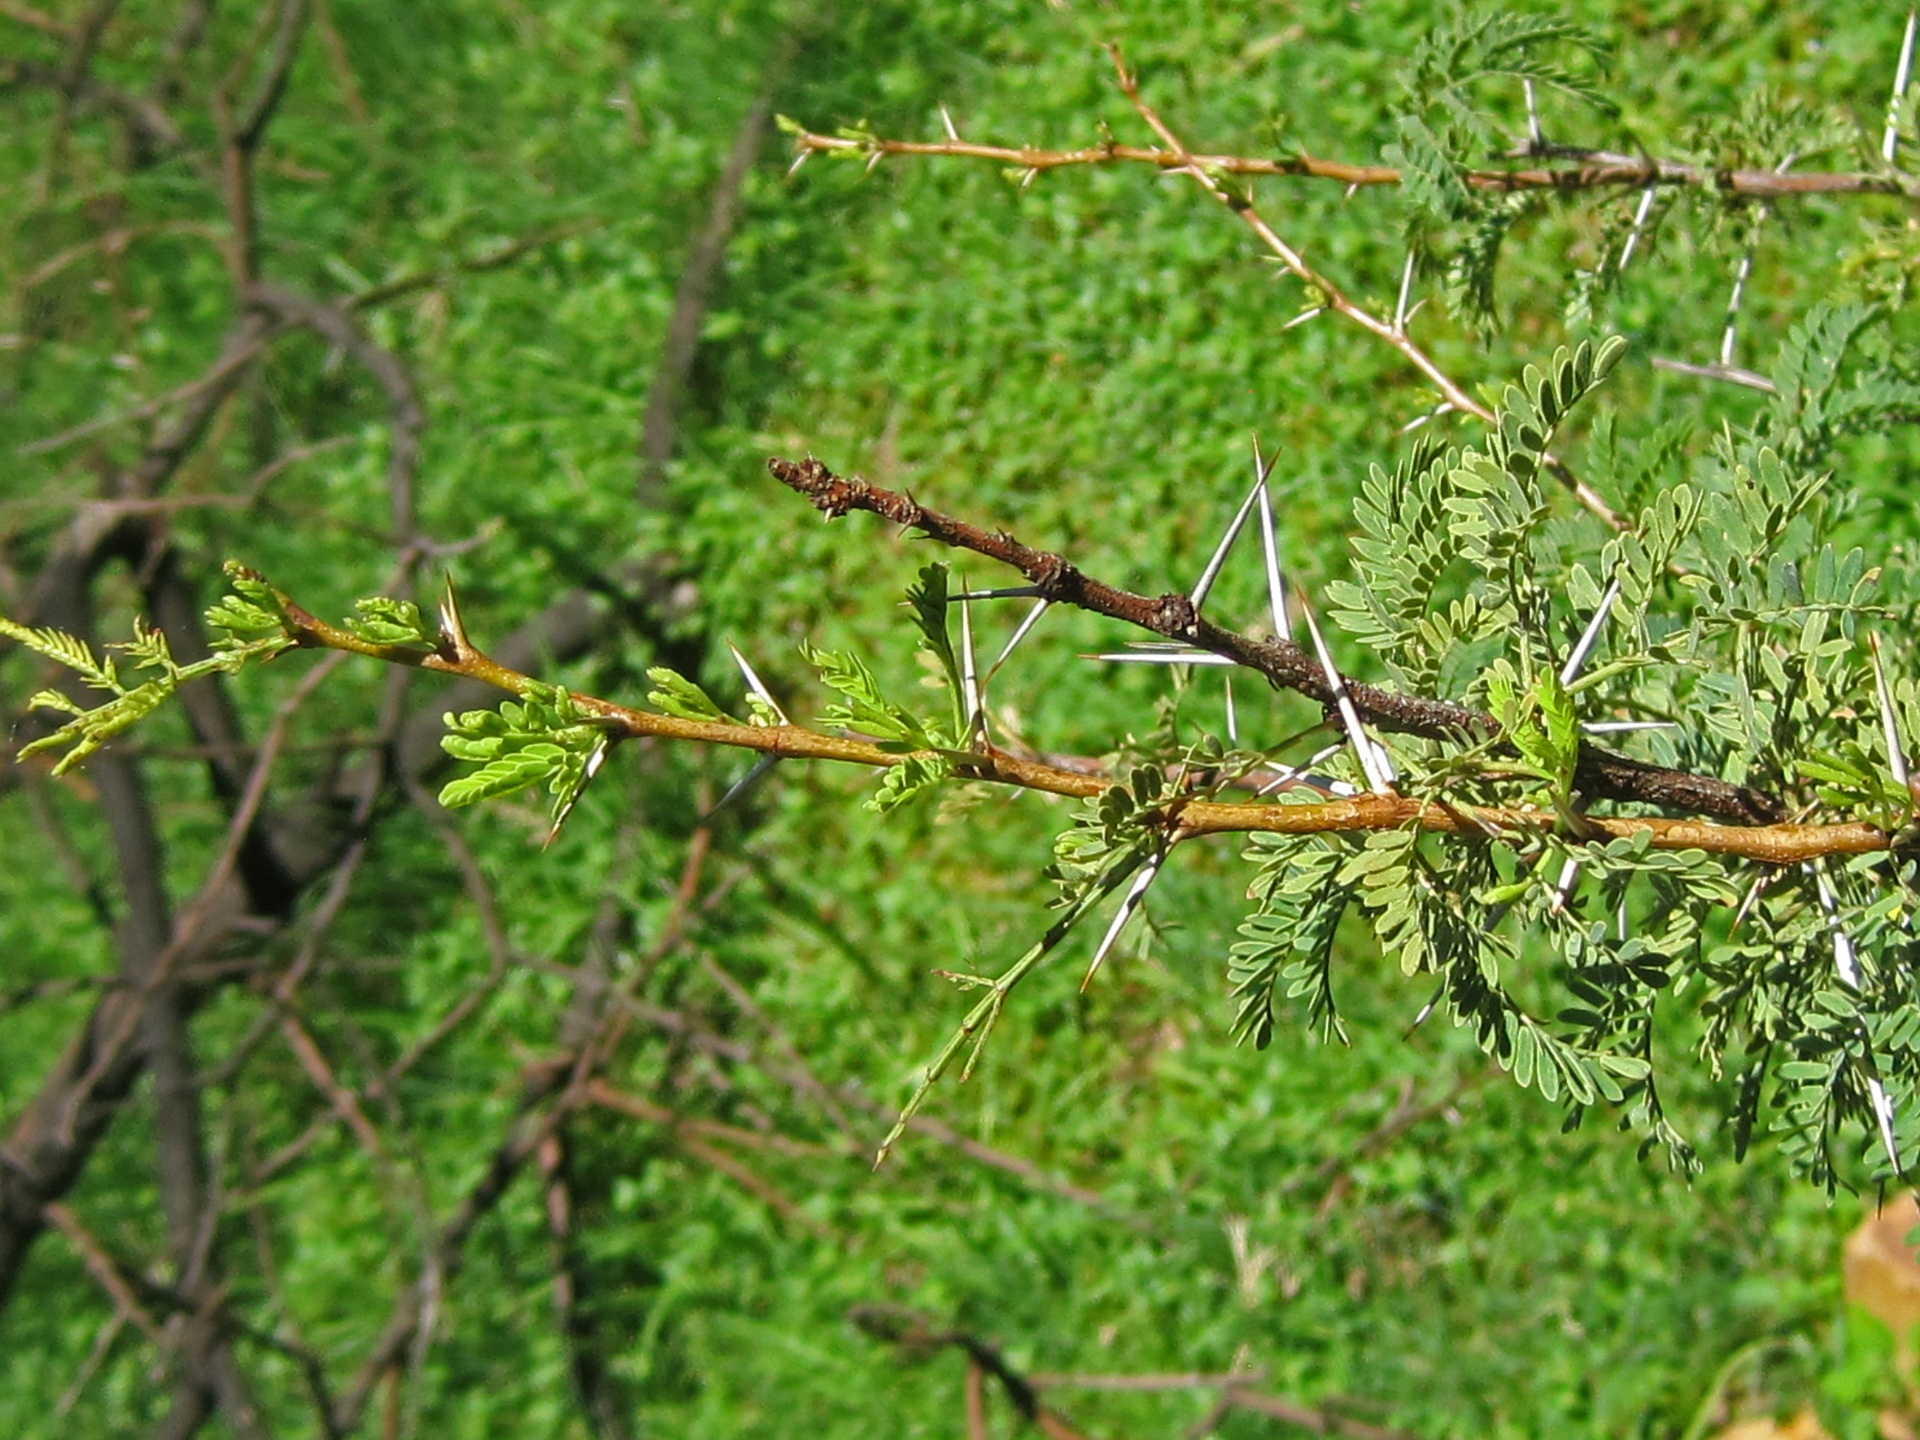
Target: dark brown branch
x: 1601, y: 774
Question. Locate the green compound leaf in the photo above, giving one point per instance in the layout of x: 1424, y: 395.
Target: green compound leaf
x: 67, y: 650
x: 392, y: 622
x: 673, y: 694
x: 542, y: 739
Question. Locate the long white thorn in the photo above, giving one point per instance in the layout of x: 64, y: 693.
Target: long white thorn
x: 1425, y: 1010
x: 740, y: 787
x: 1005, y: 592
x: 969, y: 678
x: 1845, y: 962
x: 755, y: 684
x: 1406, y: 291
x: 1621, y: 727
x: 1427, y: 419
x: 1533, y: 116
x: 1746, y: 905
x: 1846, y: 965
x: 1292, y: 773
x: 1128, y: 904
x: 947, y: 120
x: 1589, y: 637
x: 1731, y: 333
x: 1563, y: 887
x: 1233, y: 721
x: 1303, y: 317
x: 1640, y: 214
x: 1276, y: 579
x: 1212, y: 572
x: 1170, y: 656
x: 595, y: 760
x: 1373, y: 760
x: 1019, y: 634
x: 1889, y: 727
x: 1890, y: 141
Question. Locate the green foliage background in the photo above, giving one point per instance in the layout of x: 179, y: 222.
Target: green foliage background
x: 1080, y: 360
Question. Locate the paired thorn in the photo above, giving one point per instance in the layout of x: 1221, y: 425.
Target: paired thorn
x: 1400, y: 316
x: 1212, y: 572
x: 1303, y: 317
x: 1276, y: 580
x: 766, y: 762
x: 1427, y: 419
x: 1373, y: 757
x: 1889, y: 727
x: 740, y: 787
x: 595, y: 760
x: 1303, y: 773
x: 1846, y: 965
x: 970, y: 688
x: 453, y: 630
x: 1128, y: 904
x: 1640, y: 214
x: 756, y: 685
x: 1569, y: 672
x: 1590, y: 636
x: 1903, y: 71
x: 1026, y: 625
x: 1151, y: 652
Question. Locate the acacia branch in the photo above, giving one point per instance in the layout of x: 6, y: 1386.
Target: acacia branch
x: 1392, y: 332
x: 1182, y: 818
x: 1600, y: 774
x: 1589, y: 170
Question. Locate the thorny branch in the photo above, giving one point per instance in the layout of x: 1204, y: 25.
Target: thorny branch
x: 1183, y: 818
x: 1583, y: 170
x: 1601, y: 774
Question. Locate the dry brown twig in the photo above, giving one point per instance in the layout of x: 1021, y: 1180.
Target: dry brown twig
x: 1588, y: 170
x: 1591, y: 170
